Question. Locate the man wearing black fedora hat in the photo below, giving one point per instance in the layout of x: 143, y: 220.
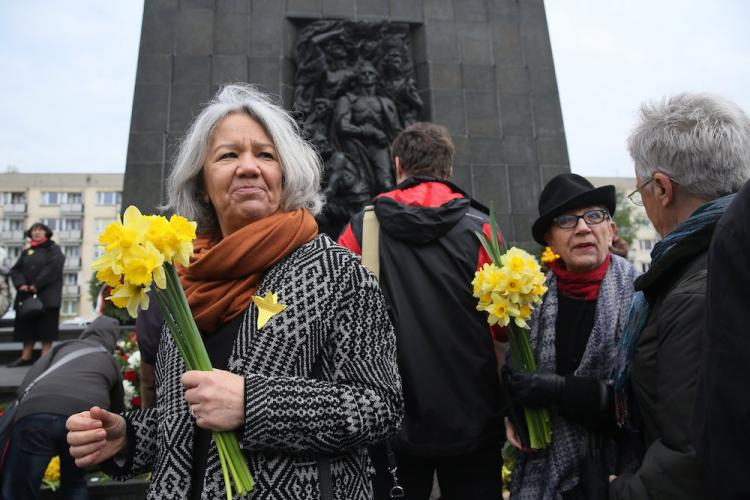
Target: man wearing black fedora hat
x: 574, y: 335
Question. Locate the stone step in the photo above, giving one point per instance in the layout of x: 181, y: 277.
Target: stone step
x: 107, y: 489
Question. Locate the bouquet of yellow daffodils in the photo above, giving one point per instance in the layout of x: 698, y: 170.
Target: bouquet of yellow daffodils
x: 508, y: 290
x: 140, y: 252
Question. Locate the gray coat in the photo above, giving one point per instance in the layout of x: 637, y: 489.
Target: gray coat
x: 666, y: 370
x: 336, y: 313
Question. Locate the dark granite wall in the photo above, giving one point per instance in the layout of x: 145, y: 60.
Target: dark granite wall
x: 484, y: 69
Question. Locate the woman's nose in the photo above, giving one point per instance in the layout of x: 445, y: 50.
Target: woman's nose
x: 248, y: 165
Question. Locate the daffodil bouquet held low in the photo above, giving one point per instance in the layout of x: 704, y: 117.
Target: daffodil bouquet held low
x: 142, y: 251
x: 508, y: 290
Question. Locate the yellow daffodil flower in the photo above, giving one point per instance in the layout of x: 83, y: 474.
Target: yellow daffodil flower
x: 130, y: 297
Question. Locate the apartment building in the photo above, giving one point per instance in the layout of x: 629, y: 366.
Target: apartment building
x: 76, y: 207
x: 645, y: 236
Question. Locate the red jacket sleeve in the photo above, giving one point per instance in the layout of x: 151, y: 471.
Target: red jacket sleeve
x: 348, y: 240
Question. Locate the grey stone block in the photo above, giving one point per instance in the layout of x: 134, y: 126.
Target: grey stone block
x: 150, y: 104
x: 422, y: 74
x: 287, y: 96
x: 462, y: 153
x: 522, y: 228
x: 196, y: 4
x: 471, y: 10
x: 266, y: 37
x: 146, y: 147
x: 441, y: 42
x: 438, y: 9
x: 550, y: 171
x: 287, y: 71
x: 543, y: 80
x: 154, y: 68
x: 481, y: 114
x: 478, y: 76
x: 231, y: 33
x: 515, y: 115
x: 312, y: 8
x: 407, y: 10
x: 547, y: 115
x: 506, y: 43
x: 419, y: 44
x: 372, y: 8
x: 229, y: 69
x: 461, y: 177
x: 233, y: 6
x: 475, y: 43
x: 142, y: 186
x: 505, y: 223
x: 524, y: 188
x: 187, y: 101
x: 195, y: 32
x: 491, y: 186
x: 265, y: 71
x: 534, y: 35
x: 447, y: 109
x: 503, y: 10
x: 486, y: 150
x: 338, y: 8
x: 158, y: 32
x: 445, y: 76
x: 192, y: 69
x: 518, y: 149
x: 512, y: 80
x: 157, y: 5
x: 552, y: 149
x: 270, y: 9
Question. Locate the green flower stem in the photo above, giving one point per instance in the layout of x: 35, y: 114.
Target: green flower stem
x: 179, y: 319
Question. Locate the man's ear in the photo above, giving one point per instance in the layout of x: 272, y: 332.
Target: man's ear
x: 399, y: 169
x: 663, y: 189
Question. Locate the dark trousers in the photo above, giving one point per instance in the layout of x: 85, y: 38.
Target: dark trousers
x: 476, y: 476
x: 35, y: 439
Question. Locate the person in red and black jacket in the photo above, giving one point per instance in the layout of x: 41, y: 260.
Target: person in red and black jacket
x: 429, y: 253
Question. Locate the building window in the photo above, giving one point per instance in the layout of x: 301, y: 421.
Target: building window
x: 13, y: 254
x: 50, y: 198
x: 71, y: 225
x: 53, y: 224
x: 11, y: 225
x: 72, y: 198
x: 98, y: 251
x: 70, y: 279
x: 69, y: 307
x: 108, y: 197
x: 10, y: 197
x: 72, y: 252
x: 646, y: 244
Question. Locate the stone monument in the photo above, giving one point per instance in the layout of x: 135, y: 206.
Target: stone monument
x: 355, y: 72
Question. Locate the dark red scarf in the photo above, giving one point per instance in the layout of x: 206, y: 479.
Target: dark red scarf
x: 584, y: 285
x: 36, y: 243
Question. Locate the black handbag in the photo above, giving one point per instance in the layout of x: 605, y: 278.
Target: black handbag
x: 29, y: 307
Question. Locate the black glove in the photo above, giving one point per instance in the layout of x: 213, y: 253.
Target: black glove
x: 534, y: 389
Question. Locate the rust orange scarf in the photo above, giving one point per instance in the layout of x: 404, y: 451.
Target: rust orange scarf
x: 225, y: 273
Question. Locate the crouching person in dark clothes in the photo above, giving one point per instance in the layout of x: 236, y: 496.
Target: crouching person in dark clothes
x: 92, y: 379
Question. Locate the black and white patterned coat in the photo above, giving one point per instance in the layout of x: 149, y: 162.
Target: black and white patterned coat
x: 334, y: 310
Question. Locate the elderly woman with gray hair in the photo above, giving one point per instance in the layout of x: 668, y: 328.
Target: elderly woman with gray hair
x: 691, y: 154
x: 297, y: 329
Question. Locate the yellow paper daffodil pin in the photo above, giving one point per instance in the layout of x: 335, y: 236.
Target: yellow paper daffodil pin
x: 268, y: 306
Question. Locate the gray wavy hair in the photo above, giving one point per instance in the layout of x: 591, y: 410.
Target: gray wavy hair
x: 300, y: 165
x: 702, y: 141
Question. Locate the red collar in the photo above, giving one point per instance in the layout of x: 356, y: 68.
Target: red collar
x: 37, y: 243
x: 584, y: 285
x: 425, y: 194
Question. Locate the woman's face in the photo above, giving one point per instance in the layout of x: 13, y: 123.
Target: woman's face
x: 583, y: 247
x: 242, y: 173
x: 38, y: 234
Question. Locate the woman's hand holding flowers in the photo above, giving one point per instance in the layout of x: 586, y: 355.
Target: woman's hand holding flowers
x: 216, y: 399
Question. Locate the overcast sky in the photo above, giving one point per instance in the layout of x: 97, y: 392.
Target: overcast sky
x: 69, y: 67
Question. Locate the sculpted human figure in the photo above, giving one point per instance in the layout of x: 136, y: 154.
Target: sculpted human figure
x: 366, y: 124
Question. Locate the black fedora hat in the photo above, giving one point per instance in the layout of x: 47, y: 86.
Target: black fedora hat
x: 565, y: 192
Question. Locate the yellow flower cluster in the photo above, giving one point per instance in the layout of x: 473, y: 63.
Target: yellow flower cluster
x: 52, y: 473
x: 510, y: 291
x: 549, y: 256
x: 135, y: 251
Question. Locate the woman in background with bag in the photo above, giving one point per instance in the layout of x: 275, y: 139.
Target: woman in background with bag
x: 37, y: 274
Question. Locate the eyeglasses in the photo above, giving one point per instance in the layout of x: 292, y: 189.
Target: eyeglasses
x: 635, y: 197
x: 590, y: 217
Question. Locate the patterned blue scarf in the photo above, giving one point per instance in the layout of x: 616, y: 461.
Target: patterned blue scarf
x: 707, y: 214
